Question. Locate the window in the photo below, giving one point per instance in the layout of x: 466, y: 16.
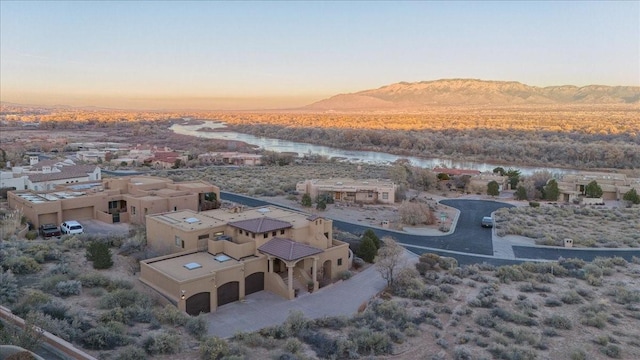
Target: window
x: 178, y: 241
x: 370, y: 195
x: 274, y: 233
x: 253, y: 236
x: 282, y: 232
x: 133, y: 210
x: 340, y: 262
x: 266, y: 235
x: 385, y: 196
x: 202, y: 237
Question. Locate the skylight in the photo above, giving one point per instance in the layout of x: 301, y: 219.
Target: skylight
x: 192, y: 266
x: 191, y: 220
x: 222, y: 258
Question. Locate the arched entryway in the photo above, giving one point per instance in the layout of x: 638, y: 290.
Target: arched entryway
x: 228, y: 293
x: 254, y: 283
x: 326, y: 270
x: 199, y: 303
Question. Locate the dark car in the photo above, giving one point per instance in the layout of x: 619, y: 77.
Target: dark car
x: 487, y: 221
x: 49, y: 230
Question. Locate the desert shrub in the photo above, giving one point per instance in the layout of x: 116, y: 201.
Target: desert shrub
x: 512, y: 352
x: 99, y: 253
x: 534, y: 204
x: 171, y: 315
x: 509, y: 273
x: 94, y: 279
x: 593, y: 270
x: 31, y: 235
x: 105, y: 337
x: 123, y: 298
x: 428, y: 261
x: 68, y: 288
x: 293, y: 345
x: 612, y: 351
x: 131, y: 352
x: 572, y: 263
x: 8, y: 287
x: 624, y: 296
x: 57, y: 326
x: 447, y: 263
x: 578, y: 354
x: 358, y: 263
x: 162, y: 343
x: 571, y: 297
x: 485, y: 298
x: 370, y: 342
x: 435, y: 294
x: 448, y: 279
x: 345, y: 275
x: 21, y: 265
x: 485, y: 320
x: 323, y: 345
x: 594, y: 315
x: 552, y: 302
x: 462, y: 353
x: 213, y: 348
x: 408, y: 284
x: 558, y: 322
x: 513, y: 317
x: 197, y: 326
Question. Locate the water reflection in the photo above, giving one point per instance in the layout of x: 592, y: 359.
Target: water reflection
x: 372, y: 157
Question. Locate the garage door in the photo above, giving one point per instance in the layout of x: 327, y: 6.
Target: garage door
x: 254, y: 283
x: 199, y: 303
x: 228, y: 293
x: 48, y: 219
x: 78, y: 214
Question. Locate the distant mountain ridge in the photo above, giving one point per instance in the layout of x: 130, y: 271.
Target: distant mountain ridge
x: 416, y: 95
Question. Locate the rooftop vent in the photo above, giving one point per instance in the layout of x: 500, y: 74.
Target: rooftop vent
x: 191, y: 220
x: 222, y: 258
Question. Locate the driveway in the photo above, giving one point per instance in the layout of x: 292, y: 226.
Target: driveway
x: 264, y: 309
x: 96, y: 227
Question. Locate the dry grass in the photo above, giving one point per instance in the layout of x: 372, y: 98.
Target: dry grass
x: 587, y: 226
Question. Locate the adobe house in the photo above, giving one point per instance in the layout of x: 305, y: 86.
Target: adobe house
x: 614, y: 186
x: 350, y: 190
x: 221, y: 256
x: 113, y: 200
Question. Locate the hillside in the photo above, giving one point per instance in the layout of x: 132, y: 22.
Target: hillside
x: 454, y: 92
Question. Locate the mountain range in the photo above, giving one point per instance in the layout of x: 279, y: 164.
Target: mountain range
x: 452, y: 92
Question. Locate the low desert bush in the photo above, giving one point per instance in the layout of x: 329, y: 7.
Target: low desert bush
x: 345, y: 275
x: 68, y: 288
x: 213, y: 348
x: 162, y: 343
x: 558, y: 322
x: 21, y: 265
x: 124, y: 298
x: 171, y: 315
x: 131, y: 352
x: 197, y: 326
x: 509, y: 273
x: 8, y: 287
x: 105, y: 337
x: 370, y: 342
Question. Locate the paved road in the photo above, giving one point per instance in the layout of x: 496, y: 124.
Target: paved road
x: 469, y: 243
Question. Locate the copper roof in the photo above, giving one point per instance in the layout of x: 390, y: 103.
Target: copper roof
x: 260, y: 225
x: 288, y: 250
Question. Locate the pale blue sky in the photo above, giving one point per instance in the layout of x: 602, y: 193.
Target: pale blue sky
x: 273, y: 54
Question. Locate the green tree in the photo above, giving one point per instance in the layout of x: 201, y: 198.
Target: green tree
x: 100, y: 254
x: 371, y: 234
x: 367, y: 250
x: 514, y: 177
x: 177, y: 164
x: 593, y: 190
x: 632, y: 196
x: 551, y: 191
x: 493, y: 188
x: 306, y: 200
x: 521, y: 193
x: 321, y: 205
x: 499, y: 170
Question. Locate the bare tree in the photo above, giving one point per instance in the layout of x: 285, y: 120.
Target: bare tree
x: 390, y: 260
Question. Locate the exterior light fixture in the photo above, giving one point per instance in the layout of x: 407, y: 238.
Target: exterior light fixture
x: 182, y: 296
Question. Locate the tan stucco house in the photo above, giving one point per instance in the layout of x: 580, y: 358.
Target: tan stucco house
x: 614, y: 186
x: 350, y: 190
x: 127, y: 199
x: 220, y: 256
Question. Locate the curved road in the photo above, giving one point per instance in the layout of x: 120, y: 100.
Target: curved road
x: 469, y: 243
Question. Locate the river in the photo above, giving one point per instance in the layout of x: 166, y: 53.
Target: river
x: 372, y: 157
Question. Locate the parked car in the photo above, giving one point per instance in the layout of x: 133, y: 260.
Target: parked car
x: 49, y: 230
x: 487, y: 221
x: 71, y: 227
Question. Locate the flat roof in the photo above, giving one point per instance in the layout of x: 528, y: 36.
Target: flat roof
x: 188, y: 220
x: 352, y: 183
x: 175, y: 267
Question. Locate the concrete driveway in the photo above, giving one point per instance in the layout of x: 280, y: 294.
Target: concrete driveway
x: 264, y: 309
x: 99, y: 228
